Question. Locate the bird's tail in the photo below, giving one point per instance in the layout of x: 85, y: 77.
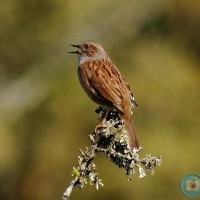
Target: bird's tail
x: 132, y: 138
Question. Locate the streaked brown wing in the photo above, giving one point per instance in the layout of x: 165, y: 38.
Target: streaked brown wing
x: 107, y: 81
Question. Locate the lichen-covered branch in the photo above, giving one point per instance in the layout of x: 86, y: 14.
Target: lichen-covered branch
x: 111, y: 139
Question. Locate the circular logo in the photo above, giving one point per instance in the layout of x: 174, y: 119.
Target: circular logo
x: 190, y: 185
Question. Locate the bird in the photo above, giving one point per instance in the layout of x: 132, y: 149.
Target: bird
x: 105, y: 85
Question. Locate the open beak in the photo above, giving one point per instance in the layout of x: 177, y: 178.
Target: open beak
x: 77, y: 46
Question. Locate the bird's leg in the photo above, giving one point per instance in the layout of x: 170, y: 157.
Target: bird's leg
x: 103, y: 119
x: 105, y: 116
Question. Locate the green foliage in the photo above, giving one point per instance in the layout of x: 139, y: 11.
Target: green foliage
x: 75, y: 172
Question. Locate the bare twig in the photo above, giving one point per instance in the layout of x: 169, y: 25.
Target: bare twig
x: 69, y: 189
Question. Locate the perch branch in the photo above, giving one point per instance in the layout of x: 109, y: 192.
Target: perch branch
x: 111, y: 139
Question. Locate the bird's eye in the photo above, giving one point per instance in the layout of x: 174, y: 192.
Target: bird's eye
x: 86, y: 46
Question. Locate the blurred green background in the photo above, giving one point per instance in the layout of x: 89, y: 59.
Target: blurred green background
x: 45, y: 117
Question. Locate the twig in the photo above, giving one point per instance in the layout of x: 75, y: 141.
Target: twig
x: 69, y: 189
x: 111, y: 139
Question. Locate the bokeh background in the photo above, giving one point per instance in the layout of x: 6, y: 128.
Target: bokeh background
x: 45, y: 117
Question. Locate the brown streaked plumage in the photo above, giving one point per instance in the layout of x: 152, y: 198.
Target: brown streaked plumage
x: 104, y: 84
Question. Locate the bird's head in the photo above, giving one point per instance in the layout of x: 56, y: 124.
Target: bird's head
x: 89, y: 51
